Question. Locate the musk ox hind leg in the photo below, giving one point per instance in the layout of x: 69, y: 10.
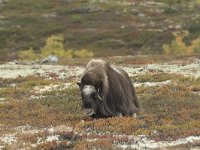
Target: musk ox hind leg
x: 122, y: 93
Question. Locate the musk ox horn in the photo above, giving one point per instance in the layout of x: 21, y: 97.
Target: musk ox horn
x: 98, y: 96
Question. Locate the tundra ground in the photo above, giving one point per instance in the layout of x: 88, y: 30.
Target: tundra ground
x: 40, y: 107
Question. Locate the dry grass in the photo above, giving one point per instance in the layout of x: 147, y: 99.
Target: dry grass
x: 100, y: 144
x: 159, y: 77
x: 168, y: 112
x: 137, y: 59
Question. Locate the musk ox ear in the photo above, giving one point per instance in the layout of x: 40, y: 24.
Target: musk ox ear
x: 80, y: 85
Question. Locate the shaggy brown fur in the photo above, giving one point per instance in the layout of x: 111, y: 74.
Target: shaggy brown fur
x: 113, y: 85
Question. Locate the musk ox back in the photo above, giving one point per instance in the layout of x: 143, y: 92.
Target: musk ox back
x: 107, y: 91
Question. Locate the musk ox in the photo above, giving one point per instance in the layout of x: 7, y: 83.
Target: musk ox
x: 107, y: 91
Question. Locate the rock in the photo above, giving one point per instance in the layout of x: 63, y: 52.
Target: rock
x: 49, y: 15
x: 63, y: 128
x: 13, y: 85
x: 87, y: 9
x: 50, y: 59
x: 135, y: 11
x: 15, y: 62
x: 2, y: 99
x: 141, y: 15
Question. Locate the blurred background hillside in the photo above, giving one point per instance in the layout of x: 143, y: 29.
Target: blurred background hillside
x: 98, y: 27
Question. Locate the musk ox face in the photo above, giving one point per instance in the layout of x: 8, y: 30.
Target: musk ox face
x: 90, y: 99
x: 107, y: 91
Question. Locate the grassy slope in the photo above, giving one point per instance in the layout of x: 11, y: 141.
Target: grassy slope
x: 102, y: 27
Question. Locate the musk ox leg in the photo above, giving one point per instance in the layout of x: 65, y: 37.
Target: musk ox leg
x: 134, y: 115
x: 119, y: 115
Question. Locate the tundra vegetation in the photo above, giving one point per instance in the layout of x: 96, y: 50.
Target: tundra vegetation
x: 54, y: 46
x: 169, y: 111
x: 44, y: 112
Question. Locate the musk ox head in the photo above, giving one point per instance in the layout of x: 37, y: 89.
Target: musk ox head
x: 107, y: 91
x: 90, y: 99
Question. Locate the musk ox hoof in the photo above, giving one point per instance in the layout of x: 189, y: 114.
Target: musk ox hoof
x: 119, y: 115
x: 134, y: 115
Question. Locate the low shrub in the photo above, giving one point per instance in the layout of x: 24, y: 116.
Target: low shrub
x: 178, y: 46
x: 83, y: 53
x: 54, y: 46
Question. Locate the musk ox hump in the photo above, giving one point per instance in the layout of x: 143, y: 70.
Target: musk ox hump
x: 96, y: 63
